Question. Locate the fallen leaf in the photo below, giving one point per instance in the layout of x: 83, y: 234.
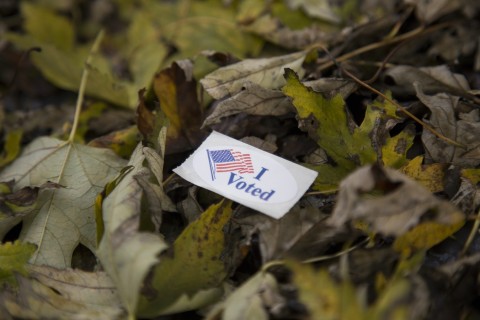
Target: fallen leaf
x: 432, y: 80
x: 465, y: 131
x: 273, y: 30
x: 317, y: 9
x: 428, y: 175
x: 265, y: 72
x: 190, y: 274
x: 455, y: 44
x: 63, y: 217
x: 328, y: 301
x: 341, y: 300
x: 122, y: 142
x: 14, y: 206
x: 277, y: 237
x: 394, y: 205
x: 348, y: 145
x: 11, y: 147
x: 13, y: 259
x: 61, y: 294
x: 246, y: 301
x: 427, y: 234
x: 62, y: 61
x: 428, y: 11
x: 126, y: 252
x: 177, y: 92
x: 195, y: 26
x: 253, y: 99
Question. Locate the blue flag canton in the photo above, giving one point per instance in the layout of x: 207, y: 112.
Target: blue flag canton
x: 220, y: 156
x: 228, y: 160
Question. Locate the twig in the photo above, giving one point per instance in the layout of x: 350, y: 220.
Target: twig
x: 414, y: 33
x: 398, y: 106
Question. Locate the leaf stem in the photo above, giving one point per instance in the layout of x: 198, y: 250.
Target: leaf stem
x: 83, y: 85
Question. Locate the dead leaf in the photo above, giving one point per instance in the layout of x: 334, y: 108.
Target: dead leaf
x: 394, y: 205
x: 465, y: 131
x: 177, y: 92
x: 273, y: 30
x: 432, y: 80
x: 277, y: 237
x: 428, y: 11
x: 265, y: 72
x: 317, y: 9
x: 82, y: 171
x: 60, y: 294
x: 127, y: 253
x: 253, y: 99
x: 246, y: 302
x: 457, y: 43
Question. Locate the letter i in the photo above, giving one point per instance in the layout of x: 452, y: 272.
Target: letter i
x: 260, y: 174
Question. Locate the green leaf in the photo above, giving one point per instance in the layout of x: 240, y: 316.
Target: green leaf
x: 348, y: 145
x: 192, y: 268
x: 64, y: 216
x: 194, y: 26
x: 46, y: 26
x: 62, y: 61
x: 13, y: 258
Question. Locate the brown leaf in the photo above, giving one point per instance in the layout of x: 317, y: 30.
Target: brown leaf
x: 432, y: 79
x: 277, y: 237
x: 177, y: 92
x: 465, y: 131
x: 253, y: 100
x: 389, y: 202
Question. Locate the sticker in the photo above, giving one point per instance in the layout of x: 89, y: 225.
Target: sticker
x: 247, y: 175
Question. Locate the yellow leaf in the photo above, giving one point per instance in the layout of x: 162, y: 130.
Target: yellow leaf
x: 427, y: 234
x: 11, y: 147
x: 430, y: 176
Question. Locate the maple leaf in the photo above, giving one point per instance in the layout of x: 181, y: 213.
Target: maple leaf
x: 64, y: 216
x: 347, y: 144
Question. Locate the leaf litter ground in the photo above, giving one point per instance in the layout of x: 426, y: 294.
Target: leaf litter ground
x: 95, y: 224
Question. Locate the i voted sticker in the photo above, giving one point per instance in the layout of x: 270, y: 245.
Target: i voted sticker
x: 248, y: 175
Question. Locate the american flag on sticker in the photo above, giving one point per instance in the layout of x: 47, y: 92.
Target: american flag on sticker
x: 228, y: 160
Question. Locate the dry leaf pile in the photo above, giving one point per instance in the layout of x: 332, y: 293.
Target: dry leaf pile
x: 379, y: 97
